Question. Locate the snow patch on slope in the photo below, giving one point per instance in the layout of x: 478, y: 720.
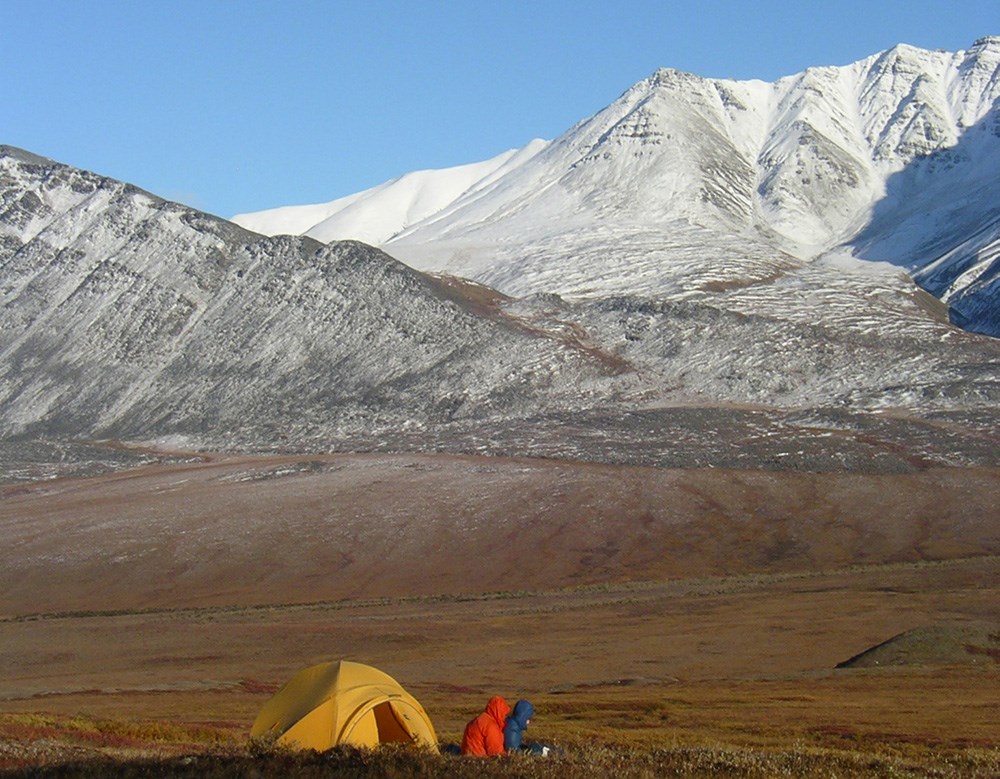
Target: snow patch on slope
x: 378, y: 214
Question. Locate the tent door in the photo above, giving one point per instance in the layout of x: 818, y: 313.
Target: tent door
x: 391, y: 726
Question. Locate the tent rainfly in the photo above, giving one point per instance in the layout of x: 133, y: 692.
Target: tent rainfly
x: 343, y: 703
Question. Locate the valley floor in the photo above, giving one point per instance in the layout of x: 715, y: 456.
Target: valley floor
x: 661, y: 621
x: 736, y: 672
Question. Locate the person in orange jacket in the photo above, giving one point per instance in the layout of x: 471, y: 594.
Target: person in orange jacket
x: 484, y: 735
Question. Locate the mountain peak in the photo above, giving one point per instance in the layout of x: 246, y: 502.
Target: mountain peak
x: 670, y: 76
x: 987, y: 42
x: 27, y: 157
x: 831, y: 159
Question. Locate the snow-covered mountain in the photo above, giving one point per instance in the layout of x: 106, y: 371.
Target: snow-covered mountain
x: 685, y: 184
x: 126, y: 316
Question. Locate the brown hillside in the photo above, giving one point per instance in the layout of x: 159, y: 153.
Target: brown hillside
x: 285, y: 529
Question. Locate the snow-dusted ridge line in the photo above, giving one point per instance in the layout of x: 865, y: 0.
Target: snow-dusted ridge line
x: 128, y: 316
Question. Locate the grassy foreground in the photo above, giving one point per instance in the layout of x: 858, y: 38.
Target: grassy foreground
x: 698, y: 678
x: 587, y: 760
x: 626, y: 735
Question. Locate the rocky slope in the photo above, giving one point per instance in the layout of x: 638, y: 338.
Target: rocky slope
x: 127, y: 316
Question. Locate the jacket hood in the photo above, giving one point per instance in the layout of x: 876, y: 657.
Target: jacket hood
x: 498, y: 709
x: 523, y: 711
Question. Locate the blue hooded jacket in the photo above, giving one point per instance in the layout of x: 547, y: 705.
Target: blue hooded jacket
x: 516, y: 723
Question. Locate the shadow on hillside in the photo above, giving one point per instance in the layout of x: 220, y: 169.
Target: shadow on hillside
x: 937, y: 216
x: 901, y: 218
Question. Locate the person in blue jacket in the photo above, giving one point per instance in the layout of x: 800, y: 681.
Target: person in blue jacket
x: 517, y: 723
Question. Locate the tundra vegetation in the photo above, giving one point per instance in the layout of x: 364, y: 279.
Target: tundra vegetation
x: 713, y: 676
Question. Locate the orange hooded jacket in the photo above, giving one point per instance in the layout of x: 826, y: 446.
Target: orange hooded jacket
x: 484, y: 735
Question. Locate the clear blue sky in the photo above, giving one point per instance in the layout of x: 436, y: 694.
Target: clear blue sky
x: 235, y: 106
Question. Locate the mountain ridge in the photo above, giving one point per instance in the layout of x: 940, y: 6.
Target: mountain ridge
x: 126, y: 315
x: 806, y: 165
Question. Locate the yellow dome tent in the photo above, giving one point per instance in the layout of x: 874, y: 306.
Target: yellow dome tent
x: 343, y: 703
